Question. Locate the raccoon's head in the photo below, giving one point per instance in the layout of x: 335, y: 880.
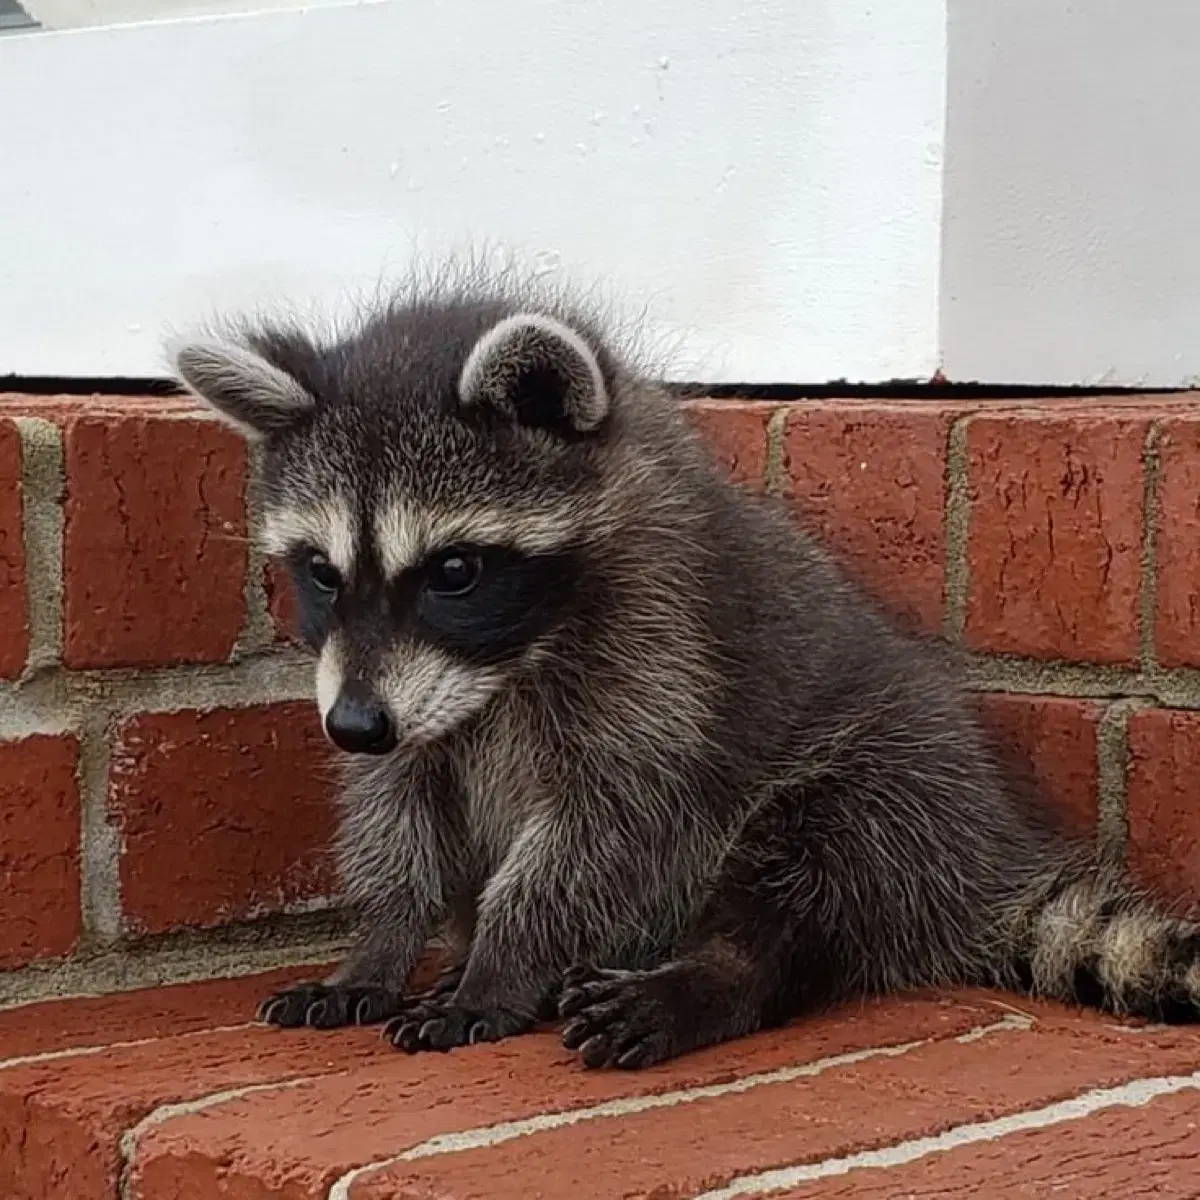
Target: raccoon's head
x: 432, y: 484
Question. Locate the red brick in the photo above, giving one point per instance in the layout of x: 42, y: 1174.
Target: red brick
x: 39, y: 848
x: 1051, y: 740
x: 62, y: 1120
x: 1177, y: 616
x: 736, y: 430
x: 870, y: 482
x: 690, y: 1148
x: 154, y: 540
x: 320, y: 1131
x: 224, y: 815
x: 286, y: 1114
x: 57, y: 408
x: 56, y: 1026
x: 14, y: 611
x: 1055, y: 535
x: 1115, y: 1154
x: 281, y: 603
x: 1164, y: 813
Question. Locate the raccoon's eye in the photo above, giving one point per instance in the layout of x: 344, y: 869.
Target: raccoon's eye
x: 323, y: 573
x: 454, y: 573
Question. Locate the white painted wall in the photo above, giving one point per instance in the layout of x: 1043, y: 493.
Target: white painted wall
x: 801, y: 192
x: 1072, y: 236
x: 76, y: 14
x: 766, y: 173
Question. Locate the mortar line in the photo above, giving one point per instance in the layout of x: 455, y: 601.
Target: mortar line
x: 100, y: 847
x: 56, y: 699
x: 775, y: 475
x: 1112, y: 766
x: 1177, y: 687
x: 1134, y: 1094
x: 91, y: 1050
x: 488, y: 1136
x: 258, y: 630
x: 957, y: 526
x: 43, y: 489
x: 48, y: 701
x: 1148, y: 584
x: 131, y: 1139
x: 307, y: 941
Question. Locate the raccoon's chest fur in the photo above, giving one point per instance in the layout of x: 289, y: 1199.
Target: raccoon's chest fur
x: 500, y: 787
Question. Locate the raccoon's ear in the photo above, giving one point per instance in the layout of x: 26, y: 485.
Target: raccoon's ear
x: 539, y: 371
x: 254, y: 396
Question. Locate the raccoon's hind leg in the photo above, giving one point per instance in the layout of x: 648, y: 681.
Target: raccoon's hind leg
x: 757, y: 958
x: 455, y: 945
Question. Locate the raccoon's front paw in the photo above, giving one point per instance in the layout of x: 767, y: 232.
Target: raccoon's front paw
x: 325, y: 1006
x: 616, y: 1018
x: 440, y: 1024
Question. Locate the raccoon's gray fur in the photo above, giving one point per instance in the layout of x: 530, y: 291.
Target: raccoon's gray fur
x: 621, y: 731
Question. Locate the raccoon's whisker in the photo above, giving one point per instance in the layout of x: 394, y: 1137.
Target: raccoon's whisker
x: 230, y: 537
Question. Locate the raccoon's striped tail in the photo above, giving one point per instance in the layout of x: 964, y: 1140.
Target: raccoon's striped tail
x: 1085, y: 934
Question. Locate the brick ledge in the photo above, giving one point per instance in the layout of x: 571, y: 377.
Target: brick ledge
x: 175, y: 1092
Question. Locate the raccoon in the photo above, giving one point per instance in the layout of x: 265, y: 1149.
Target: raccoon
x: 618, y: 731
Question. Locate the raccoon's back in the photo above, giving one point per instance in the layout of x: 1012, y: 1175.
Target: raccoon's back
x: 919, y: 833
x: 805, y: 653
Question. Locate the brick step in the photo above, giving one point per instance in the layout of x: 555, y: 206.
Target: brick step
x: 164, y: 786
x: 174, y: 1093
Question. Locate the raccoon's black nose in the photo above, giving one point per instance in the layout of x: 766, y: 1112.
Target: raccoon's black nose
x: 359, y: 724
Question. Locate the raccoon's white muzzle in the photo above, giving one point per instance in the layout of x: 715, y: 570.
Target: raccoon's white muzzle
x: 422, y: 692
x: 355, y: 718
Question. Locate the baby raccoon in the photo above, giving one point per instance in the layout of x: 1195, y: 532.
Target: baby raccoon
x: 616, y: 728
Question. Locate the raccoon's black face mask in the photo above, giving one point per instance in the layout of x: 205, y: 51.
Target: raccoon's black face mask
x: 431, y: 486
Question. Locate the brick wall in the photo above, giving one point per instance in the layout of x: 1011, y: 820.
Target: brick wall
x: 161, y: 769
x: 163, y: 780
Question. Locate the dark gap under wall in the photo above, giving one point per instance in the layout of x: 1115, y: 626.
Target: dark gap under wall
x: 62, y: 385
x: 902, y: 390
x: 56, y: 385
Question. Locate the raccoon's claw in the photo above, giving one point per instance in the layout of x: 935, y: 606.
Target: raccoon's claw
x: 615, y: 1019
x: 582, y: 985
x: 325, y: 1006
x: 440, y: 1025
